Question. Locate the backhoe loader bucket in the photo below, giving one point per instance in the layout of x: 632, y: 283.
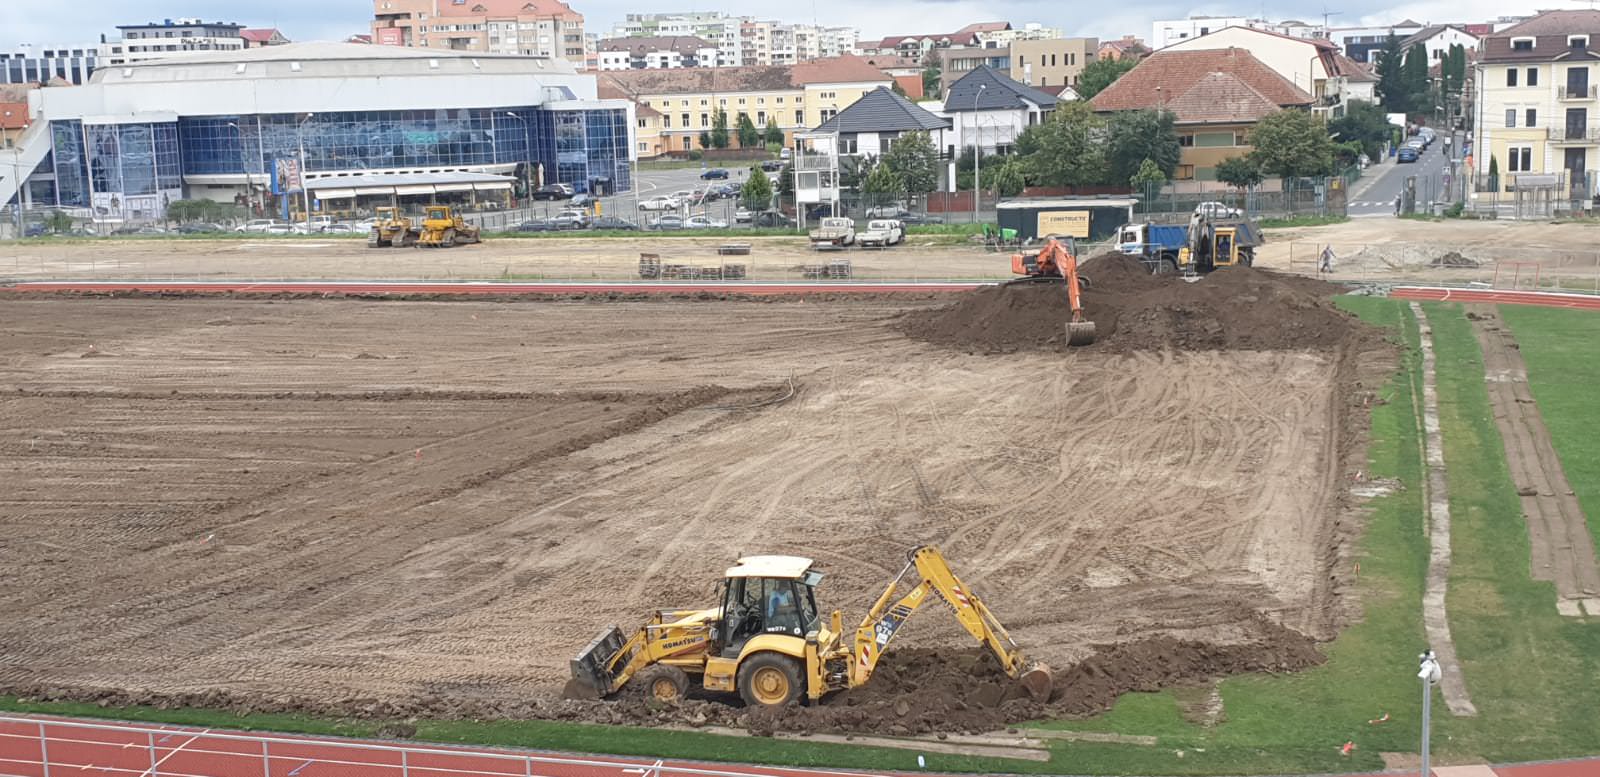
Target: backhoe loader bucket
x: 1080, y: 332
x: 1038, y: 681
x: 591, y: 673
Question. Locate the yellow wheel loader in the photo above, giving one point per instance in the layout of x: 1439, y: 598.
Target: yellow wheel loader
x: 443, y: 229
x: 391, y: 230
x: 768, y: 642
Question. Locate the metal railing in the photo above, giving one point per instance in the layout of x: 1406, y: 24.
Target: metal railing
x: 1579, y: 93
x: 1564, y: 134
x: 53, y: 746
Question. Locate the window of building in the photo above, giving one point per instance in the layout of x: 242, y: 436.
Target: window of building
x: 704, y: 102
x: 644, y: 147
x: 1533, y: 76
x: 685, y: 144
x: 685, y: 118
x: 641, y: 124
x: 684, y: 103
x: 1186, y: 141
x: 723, y: 101
x: 847, y: 145
x: 1520, y: 159
x: 705, y: 119
x: 761, y: 118
x: 1533, y: 118
x: 1511, y: 117
x: 1511, y: 76
x: 780, y: 100
x: 1577, y: 41
x: 1183, y: 173
x: 800, y: 118
x: 1522, y: 44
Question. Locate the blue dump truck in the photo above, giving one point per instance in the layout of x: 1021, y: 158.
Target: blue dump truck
x: 1205, y: 244
x: 1157, y: 245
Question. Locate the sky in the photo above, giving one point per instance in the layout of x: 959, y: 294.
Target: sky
x: 47, y: 24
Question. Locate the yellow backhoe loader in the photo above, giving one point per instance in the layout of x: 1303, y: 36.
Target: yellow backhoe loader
x: 768, y: 642
x: 443, y: 229
x: 391, y: 230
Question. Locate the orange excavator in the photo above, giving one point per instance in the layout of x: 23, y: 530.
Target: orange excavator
x: 1057, y: 262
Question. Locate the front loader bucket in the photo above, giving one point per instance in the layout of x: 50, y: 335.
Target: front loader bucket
x: 1038, y: 681
x: 1080, y: 332
x: 591, y: 669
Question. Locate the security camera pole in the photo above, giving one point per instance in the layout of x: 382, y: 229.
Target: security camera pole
x: 1429, y: 673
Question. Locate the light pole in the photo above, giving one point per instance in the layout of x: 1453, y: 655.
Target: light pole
x: 16, y: 178
x: 305, y: 188
x: 249, y: 194
x: 977, y: 153
x: 1429, y: 673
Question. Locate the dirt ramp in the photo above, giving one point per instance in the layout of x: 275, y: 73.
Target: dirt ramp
x: 1237, y: 308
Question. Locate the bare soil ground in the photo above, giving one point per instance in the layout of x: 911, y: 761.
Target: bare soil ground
x: 1562, y: 548
x: 414, y: 501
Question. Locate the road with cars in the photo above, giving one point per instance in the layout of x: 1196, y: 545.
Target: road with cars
x: 1377, y: 198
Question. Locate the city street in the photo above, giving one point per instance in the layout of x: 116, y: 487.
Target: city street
x: 1376, y: 198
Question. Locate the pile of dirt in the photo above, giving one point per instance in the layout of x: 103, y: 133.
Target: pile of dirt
x: 1453, y: 259
x: 1237, y: 308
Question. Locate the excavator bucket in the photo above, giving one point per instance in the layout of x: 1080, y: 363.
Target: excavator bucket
x: 1038, y: 681
x: 1080, y: 332
x: 591, y: 669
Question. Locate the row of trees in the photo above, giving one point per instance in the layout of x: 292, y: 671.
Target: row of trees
x: 1077, y: 147
x: 1404, y: 85
x: 748, y: 134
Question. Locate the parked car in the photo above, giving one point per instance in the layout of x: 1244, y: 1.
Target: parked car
x: 667, y: 223
x: 659, y: 202
x: 772, y: 165
x: 571, y: 218
x: 714, y: 173
x: 612, y: 222
x: 703, y: 221
x: 343, y: 228
x: 920, y: 218
x: 33, y: 230
x: 582, y: 201
x: 259, y: 225
x: 892, y: 210
x: 835, y: 231
x: 771, y: 219
x: 536, y: 225
x: 882, y: 233
x: 279, y: 229
x: 743, y: 216
x: 1406, y: 155
x: 1217, y: 210
x: 553, y: 191
x: 199, y: 229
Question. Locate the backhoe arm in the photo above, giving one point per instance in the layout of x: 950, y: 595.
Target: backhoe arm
x: 934, y: 577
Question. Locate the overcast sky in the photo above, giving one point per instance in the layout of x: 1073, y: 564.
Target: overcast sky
x: 45, y: 23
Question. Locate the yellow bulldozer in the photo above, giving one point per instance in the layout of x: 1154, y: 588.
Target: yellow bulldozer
x: 391, y: 230
x: 441, y: 228
x: 768, y: 642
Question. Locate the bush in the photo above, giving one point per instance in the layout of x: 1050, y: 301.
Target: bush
x: 695, y: 156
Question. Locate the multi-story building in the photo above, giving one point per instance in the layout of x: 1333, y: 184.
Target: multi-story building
x: 1004, y: 38
x: 1538, y: 100
x: 955, y: 63
x: 656, y: 52
x: 1052, y: 61
x: 1315, y: 65
x: 305, y: 123
x: 155, y: 40
x: 745, y: 40
x: 73, y: 64
x: 1216, y: 95
x: 918, y: 46
x: 988, y: 109
x: 1167, y: 32
x: 540, y: 28
x: 794, y: 97
x: 1358, y: 43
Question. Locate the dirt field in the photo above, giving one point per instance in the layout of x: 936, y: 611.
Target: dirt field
x: 340, y: 499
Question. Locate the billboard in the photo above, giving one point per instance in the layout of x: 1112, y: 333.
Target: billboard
x: 1071, y: 223
x: 286, y: 176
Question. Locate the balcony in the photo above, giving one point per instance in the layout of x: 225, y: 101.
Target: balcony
x: 1569, y: 94
x: 1574, y: 136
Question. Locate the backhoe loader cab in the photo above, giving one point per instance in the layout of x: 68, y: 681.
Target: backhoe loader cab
x: 766, y: 595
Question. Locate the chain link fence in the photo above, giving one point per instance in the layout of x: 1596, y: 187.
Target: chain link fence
x: 1522, y: 267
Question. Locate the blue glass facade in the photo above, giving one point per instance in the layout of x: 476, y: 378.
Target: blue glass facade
x: 575, y: 147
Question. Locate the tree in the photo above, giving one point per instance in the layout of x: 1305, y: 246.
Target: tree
x: 1240, y: 172
x: 757, y: 192
x: 882, y: 185
x: 1363, y: 123
x: 1292, y: 144
x: 930, y: 80
x: 1065, y: 150
x: 1494, y: 173
x: 749, y: 136
x: 719, y: 129
x: 1148, y: 179
x: 1009, y: 180
x: 1392, y: 92
x: 1414, y: 75
x: 705, y: 139
x: 1137, y: 136
x: 915, y: 161
x: 58, y: 221
x: 774, y: 134
x: 1101, y: 73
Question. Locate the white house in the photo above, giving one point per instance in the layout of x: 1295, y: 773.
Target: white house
x: 1313, y: 64
x: 870, y: 125
x: 989, y: 109
x: 1438, y: 39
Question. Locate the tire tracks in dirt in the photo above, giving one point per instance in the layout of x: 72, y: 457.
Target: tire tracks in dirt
x: 1562, y: 547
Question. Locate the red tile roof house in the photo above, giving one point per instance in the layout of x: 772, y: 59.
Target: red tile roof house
x: 1217, y: 95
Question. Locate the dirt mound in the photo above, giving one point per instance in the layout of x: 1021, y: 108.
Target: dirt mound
x: 1238, y: 308
x: 1453, y: 259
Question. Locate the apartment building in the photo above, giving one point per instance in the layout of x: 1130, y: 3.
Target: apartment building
x: 795, y: 97
x: 73, y: 64
x: 1005, y: 37
x: 657, y: 52
x: 1167, y: 32
x: 1052, y: 61
x: 745, y: 40
x: 1538, y: 110
x: 141, y: 42
x: 1315, y: 65
x: 541, y: 28
x: 970, y: 37
x: 1438, y: 38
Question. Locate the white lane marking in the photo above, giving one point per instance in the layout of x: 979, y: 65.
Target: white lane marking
x: 174, y: 752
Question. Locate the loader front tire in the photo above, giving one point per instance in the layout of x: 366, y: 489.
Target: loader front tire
x: 665, y: 683
x: 769, y: 680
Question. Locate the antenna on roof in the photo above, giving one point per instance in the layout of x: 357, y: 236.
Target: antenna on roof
x: 1326, y: 14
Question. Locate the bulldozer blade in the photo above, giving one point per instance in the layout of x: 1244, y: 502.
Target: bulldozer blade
x: 591, y: 669
x: 1080, y: 332
x: 1038, y: 681
x: 581, y: 690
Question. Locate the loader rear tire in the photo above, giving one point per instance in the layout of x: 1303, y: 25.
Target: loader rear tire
x: 664, y: 683
x: 769, y: 680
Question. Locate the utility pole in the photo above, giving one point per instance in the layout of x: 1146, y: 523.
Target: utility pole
x: 1429, y: 673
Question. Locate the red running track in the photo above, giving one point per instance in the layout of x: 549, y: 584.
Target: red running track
x: 378, y: 288
x: 1551, y: 299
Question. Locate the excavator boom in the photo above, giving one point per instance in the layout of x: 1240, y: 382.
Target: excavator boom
x: 934, y: 577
